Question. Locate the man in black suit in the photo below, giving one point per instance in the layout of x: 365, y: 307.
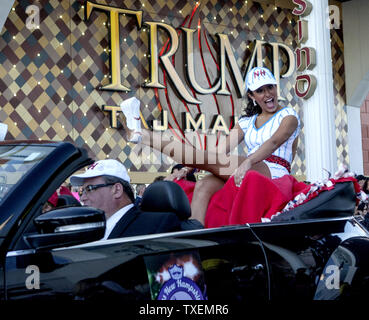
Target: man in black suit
x: 106, y: 186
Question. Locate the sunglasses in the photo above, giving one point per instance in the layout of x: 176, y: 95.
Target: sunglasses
x: 90, y: 188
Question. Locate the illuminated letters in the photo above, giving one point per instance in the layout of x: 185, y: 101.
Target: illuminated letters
x: 226, y: 51
x: 195, y: 124
x: 192, y: 124
x: 304, y: 8
x: 164, y: 125
x: 302, y: 31
x: 305, y: 85
x: 276, y: 70
x: 305, y: 57
x: 116, y: 84
x: 165, y: 59
x: 219, y: 125
x: 226, y: 61
x: 191, y: 65
x: 114, y: 110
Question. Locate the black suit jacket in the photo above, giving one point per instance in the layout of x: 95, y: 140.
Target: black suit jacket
x: 135, y: 222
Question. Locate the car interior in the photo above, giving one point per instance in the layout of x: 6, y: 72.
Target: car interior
x: 167, y: 196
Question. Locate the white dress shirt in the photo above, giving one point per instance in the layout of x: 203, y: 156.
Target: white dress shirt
x: 112, y: 220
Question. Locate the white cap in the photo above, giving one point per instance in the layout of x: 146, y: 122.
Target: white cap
x: 258, y: 77
x: 109, y: 167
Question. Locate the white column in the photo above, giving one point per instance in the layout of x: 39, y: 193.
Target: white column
x: 355, y: 36
x: 354, y: 140
x: 319, y: 114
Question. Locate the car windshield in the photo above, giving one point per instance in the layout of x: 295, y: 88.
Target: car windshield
x: 16, y: 161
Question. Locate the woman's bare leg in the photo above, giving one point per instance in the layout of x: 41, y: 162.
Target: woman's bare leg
x: 204, y: 190
x: 208, y: 186
x: 220, y: 165
x: 262, y: 168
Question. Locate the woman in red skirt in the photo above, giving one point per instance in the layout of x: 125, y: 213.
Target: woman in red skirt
x: 270, y: 132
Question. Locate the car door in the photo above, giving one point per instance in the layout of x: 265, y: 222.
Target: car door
x: 298, y: 253
x: 223, y: 263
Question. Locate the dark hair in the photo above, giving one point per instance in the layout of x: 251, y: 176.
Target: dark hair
x: 126, y: 186
x: 159, y: 178
x: 250, y: 109
x: 190, y: 176
x: 361, y: 177
x: 365, y: 186
x: 178, y: 167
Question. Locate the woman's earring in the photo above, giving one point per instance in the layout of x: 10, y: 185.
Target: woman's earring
x: 253, y: 100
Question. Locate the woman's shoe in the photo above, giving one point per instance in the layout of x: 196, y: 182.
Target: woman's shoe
x: 131, y: 110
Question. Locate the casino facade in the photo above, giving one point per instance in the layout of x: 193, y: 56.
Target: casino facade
x: 66, y: 65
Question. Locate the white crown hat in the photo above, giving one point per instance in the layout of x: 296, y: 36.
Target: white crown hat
x: 258, y: 77
x: 108, y: 167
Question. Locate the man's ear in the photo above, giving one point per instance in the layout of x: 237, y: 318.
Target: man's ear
x: 117, y: 190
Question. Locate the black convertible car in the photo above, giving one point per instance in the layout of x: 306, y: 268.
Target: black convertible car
x: 317, y: 251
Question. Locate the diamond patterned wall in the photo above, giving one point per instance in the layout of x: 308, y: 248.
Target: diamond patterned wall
x: 50, y: 77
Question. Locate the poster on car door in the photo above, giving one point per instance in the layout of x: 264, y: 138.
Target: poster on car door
x: 176, y: 276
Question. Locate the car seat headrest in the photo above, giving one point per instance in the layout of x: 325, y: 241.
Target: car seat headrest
x: 166, y: 196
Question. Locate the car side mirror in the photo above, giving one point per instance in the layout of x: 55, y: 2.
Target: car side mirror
x: 67, y: 226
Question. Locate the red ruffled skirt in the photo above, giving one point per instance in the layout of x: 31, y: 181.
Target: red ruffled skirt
x: 258, y: 197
